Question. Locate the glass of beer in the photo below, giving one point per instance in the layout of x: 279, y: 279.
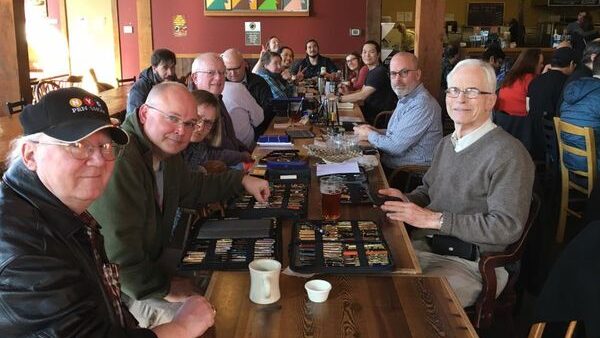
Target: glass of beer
x: 331, y: 191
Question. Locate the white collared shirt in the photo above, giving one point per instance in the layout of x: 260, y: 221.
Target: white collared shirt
x: 464, y: 142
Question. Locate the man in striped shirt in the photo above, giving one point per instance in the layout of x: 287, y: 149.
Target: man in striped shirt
x: 415, y: 127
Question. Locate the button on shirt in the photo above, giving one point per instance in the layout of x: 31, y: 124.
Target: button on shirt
x: 413, y: 132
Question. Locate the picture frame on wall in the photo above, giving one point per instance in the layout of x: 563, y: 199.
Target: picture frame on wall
x: 256, y: 7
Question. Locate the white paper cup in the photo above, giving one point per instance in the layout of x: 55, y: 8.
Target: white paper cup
x: 318, y: 290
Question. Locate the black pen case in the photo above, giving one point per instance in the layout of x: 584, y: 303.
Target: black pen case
x: 339, y: 247
x: 231, y: 244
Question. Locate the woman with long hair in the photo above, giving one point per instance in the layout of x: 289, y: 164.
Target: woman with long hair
x: 356, y: 73
x: 512, y: 95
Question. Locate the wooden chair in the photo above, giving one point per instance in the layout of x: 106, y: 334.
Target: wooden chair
x: 537, y: 330
x: 382, y: 119
x: 100, y: 85
x: 71, y: 81
x: 15, y: 106
x: 487, y: 305
x: 122, y: 82
x: 577, y: 180
x: 42, y: 88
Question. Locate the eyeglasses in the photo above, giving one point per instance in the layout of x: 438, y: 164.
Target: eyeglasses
x: 402, y: 73
x: 211, y: 72
x: 350, y: 60
x: 205, y: 123
x: 83, y: 150
x: 471, y: 93
x: 175, y: 120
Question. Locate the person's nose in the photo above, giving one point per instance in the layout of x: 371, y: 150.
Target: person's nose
x: 95, y: 157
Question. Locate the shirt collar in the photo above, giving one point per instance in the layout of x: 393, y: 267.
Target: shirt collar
x: 464, y: 142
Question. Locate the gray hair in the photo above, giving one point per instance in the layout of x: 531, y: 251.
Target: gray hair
x: 14, y: 152
x: 203, y: 58
x: 488, y: 72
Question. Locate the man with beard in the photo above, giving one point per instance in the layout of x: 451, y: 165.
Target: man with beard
x: 311, y: 65
x: 415, y: 127
x: 162, y: 69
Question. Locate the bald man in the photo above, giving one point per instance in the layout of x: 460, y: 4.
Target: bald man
x: 415, y: 127
x: 237, y: 71
x: 150, y: 182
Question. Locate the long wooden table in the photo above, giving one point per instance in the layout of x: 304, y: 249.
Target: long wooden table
x: 399, y: 304
x: 10, y: 127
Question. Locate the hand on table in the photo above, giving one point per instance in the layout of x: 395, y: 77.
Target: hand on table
x: 409, y: 212
x: 363, y: 131
x: 257, y: 187
x: 192, y: 319
x: 180, y: 289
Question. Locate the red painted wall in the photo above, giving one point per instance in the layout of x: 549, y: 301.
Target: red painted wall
x: 329, y: 23
x: 130, y: 65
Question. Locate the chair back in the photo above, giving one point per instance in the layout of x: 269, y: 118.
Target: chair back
x: 382, y: 119
x: 71, y: 81
x: 122, y: 82
x: 537, y: 330
x: 580, y: 180
x: 101, y: 86
x: 42, y: 88
x: 15, y: 106
x: 487, y: 303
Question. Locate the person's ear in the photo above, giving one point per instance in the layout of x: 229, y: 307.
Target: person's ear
x: 143, y: 113
x: 28, y: 155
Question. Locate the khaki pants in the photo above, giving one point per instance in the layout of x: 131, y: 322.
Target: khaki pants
x: 462, y: 274
x: 151, y: 312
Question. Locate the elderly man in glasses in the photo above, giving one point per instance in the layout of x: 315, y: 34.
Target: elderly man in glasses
x: 56, y: 280
x: 208, y: 73
x: 475, y: 196
x: 138, y: 208
x: 415, y: 127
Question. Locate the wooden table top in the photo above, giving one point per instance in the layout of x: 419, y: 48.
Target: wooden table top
x: 400, y: 304
x: 358, y: 306
x: 10, y: 127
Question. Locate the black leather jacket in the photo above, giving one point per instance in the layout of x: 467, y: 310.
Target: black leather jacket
x: 49, y: 284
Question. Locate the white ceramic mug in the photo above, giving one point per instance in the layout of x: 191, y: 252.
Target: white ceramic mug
x: 264, y: 281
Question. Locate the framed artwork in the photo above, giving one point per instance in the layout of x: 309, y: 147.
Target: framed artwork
x: 256, y: 7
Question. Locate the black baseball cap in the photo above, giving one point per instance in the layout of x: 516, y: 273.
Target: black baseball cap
x: 70, y: 115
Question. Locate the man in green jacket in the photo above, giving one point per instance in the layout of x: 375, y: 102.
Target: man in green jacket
x: 150, y: 182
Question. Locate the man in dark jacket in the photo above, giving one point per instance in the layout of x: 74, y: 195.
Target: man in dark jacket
x: 237, y: 71
x: 312, y: 64
x: 162, y: 68
x: 138, y: 208
x: 581, y: 108
x: 55, y: 279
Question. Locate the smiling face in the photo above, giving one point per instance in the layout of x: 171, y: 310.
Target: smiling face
x: 287, y: 57
x: 275, y: 65
x: 470, y: 114
x: 273, y: 44
x: 210, y: 75
x: 76, y: 183
x: 312, y: 49
x: 156, y: 116
x: 369, y: 55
